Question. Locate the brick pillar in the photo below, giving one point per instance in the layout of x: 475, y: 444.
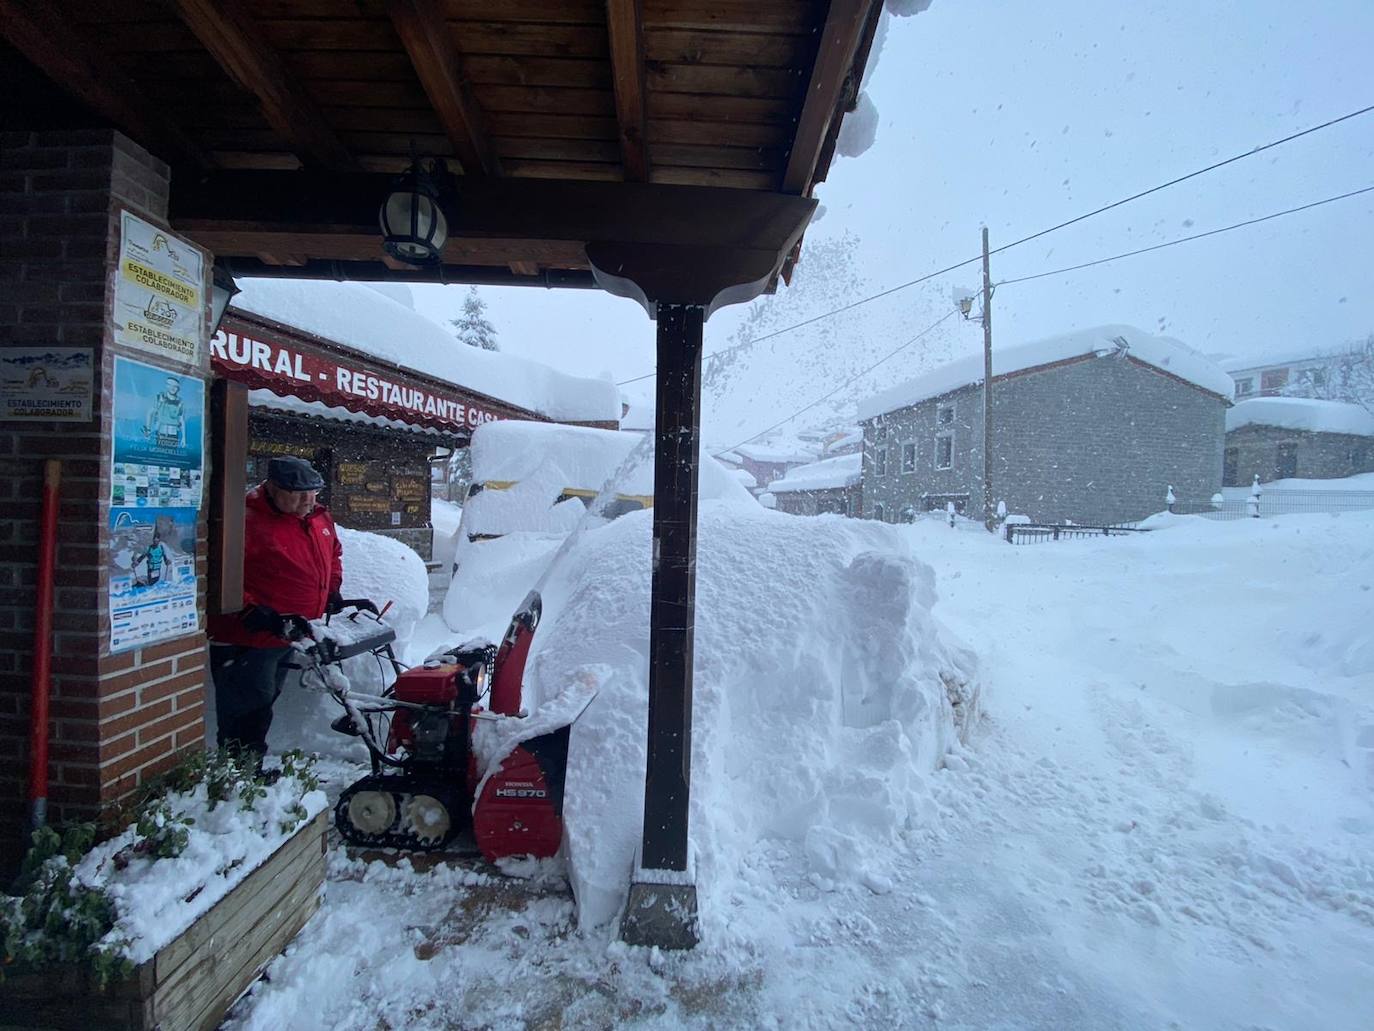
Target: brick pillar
x: 116, y: 720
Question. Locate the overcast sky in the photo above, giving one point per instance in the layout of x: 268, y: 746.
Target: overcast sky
x: 1021, y: 115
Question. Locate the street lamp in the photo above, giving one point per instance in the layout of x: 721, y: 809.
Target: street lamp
x: 413, y: 224
x: 222, y: 291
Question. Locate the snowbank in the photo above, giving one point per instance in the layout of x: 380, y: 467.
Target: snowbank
x: 844, y: 471
x: 1163, y: 353
x: 368, y: 321
x: 1301, y: 413
x: 824, y: 692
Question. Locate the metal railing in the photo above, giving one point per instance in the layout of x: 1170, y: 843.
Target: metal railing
x: 1036, y: 533
x: 1270, y: 503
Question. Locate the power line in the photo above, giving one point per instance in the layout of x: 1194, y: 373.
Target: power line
x: 1025, y: 239
x: 1055, y: 272
x: 1187, y: 239
x: 842, y: 386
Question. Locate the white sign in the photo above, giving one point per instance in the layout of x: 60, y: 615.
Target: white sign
x: 46, y: 384
x: 159, y: 301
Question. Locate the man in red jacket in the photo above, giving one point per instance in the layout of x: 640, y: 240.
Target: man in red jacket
x: 292, y: 572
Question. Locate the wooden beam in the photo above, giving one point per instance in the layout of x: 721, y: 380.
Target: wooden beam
x: 56, y: 48
x: 226, y: 30
x: 624, y: 19
x: 844, y: 28
x: 424, y: 33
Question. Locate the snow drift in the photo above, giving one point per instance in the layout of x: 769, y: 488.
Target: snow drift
x: 825, y: 690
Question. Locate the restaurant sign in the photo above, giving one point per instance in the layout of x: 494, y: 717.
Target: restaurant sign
x: 263, y: 361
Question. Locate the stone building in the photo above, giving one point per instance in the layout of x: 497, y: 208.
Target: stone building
x: 1093, y: 427
x: 1282, y: 438
x: 831, y: 485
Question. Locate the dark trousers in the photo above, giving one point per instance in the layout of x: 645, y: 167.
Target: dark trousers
x: 247, y: 682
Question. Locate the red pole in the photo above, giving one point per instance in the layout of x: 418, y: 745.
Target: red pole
x: 42, y: 648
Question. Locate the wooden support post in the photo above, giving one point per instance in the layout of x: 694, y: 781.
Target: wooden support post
x: 677, y: 428
x: 229, y: 461
x: 662, y: 909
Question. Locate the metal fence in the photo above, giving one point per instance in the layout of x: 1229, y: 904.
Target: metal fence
x: 1277, y: 503
x: 1036, y: 533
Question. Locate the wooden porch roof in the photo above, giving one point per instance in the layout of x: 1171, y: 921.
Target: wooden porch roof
x: 536, y: 104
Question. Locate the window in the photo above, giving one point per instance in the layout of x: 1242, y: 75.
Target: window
x: 880, y: 461
x: 1287, y: 465
x: 909, y: 457
x: 1228, y: 466
x: 1273, y: 381
x: 944, y: 451
x: 880, y: 431
x: 1245, y: 387
x: 944, y: 415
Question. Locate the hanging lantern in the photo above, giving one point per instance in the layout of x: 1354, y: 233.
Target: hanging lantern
x: 222, y: 291
x: 413, y: 225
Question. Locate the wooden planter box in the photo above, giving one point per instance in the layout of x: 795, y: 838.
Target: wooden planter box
x: 193, y: 980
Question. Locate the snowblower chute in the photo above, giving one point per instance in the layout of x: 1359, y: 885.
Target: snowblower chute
x: 428, y: 783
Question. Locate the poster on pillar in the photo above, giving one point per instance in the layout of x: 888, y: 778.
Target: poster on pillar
x: 158, y: 438
x: 151, y: 563
x: 159, y: 298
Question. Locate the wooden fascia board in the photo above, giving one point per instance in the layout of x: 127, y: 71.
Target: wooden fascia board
x: 424, y: 33
x: 227, y: 31
x: 291, y: 205
x: 625, y: 23
x: 56, y: 48
x: 845, y: 26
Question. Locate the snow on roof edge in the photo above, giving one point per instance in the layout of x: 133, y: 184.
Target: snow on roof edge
x: 1163, y: 353
x: 827, y: 474
x: 1301, y: 413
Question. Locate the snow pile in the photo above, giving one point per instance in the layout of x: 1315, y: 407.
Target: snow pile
x: 1163, y: 353
x: 538, y: 462
x: 1301, y: 413
x: 157, y: 899
x: 844, y: 471
x: 385, y: 570
x: 825, y: 691
x: 356, y: 316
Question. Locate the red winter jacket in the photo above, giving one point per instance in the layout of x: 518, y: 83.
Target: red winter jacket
x: 290, y: 564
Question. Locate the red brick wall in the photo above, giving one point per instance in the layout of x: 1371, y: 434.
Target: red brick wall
x: 116, y: 720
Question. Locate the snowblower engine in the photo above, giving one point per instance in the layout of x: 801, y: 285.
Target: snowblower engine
x: 425, y: 788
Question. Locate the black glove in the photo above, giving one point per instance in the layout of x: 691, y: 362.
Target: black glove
x: 261, y: 618
x: 335, y: 603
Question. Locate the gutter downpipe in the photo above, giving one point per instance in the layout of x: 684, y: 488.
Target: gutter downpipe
x: 42, y: 648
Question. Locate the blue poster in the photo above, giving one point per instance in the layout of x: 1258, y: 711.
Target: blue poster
x: 159, y: 430
x: 152, y: 575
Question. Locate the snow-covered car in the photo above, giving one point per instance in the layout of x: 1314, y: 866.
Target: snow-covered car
x: 532, y: 485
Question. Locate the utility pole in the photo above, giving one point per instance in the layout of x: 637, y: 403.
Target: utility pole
x: 989, y: 509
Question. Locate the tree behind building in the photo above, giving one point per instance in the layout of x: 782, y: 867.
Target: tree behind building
x: 472, y: 327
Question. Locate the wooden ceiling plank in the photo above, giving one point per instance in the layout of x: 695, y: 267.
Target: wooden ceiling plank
x: 229, y: 34
x: 840, y: 39
x: 624, y: 21
x: 797, y: 17
x: 420, y: 25
x: 53, y: 45
x: 726, y: 80
x: 758, y: 50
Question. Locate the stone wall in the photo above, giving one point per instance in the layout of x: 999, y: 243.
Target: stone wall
x: 1096, y: 440
x: 1254, y: 451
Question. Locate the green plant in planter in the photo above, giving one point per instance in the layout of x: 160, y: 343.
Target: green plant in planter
x: 51, y: 919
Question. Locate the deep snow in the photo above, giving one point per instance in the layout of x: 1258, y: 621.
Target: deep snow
x: 1165, y: 820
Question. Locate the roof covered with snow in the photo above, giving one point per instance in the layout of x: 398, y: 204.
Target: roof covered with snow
x: 775, y: 453
x: 844, y: 471
x: 1163, y: 353
x: 380, y: 323
x: 1301, y: 413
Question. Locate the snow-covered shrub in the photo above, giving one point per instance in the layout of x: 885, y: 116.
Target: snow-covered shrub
x: 188, y: 842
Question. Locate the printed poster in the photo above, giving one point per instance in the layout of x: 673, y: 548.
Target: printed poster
x: 159, y: 302
x: 152, y: 574
x: 47, y: 384
x: 158, y: 438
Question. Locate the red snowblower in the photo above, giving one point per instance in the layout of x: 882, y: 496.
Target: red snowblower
x: 427, y: 785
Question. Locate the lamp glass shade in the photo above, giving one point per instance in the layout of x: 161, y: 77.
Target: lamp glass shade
x: 413, y: 225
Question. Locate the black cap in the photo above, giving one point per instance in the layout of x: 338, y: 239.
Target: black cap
x: 291, y: 473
